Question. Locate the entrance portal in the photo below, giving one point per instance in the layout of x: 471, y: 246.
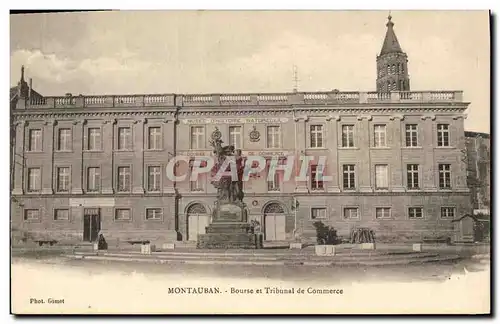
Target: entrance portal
x: 197, y: 220
x: 274, y: 222
x: 91, y: 224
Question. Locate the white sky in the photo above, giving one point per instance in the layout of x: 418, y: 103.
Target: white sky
x: 252, y: 51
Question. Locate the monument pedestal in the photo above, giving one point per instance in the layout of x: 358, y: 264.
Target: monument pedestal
x: 229, y: 230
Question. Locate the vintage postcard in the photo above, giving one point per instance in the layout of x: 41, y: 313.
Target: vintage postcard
x: 250, y: 162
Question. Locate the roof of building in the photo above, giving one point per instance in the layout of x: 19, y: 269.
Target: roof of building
x: 391, y: 43
x: 477, y: 134
x: 23, y: 87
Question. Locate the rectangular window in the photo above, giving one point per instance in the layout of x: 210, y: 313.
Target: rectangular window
x: 198, y: 184
x: 63, y: 176
x: 154, y: 178
x: 35, y: 144
x: 94, y: 139
x: 235, y: 136
x: 124, y: 138
x: 154, y: 213
x: 379, y: 136
x: 61, y: 214
x: 443, y: 133
x: 382, y: 212
x: 415, y: 212
x: 31, y: 214
x: 274, y: 184
x: 349, y: 176
x: 316, y: 178
x: 154, y: 138
x: 197, y: 137
x: 381, y: 176
x: 444, y: 176
x: 64, y: 139
x: 122, y: 214
x: 447, y: 212
x: 412, y: 176
x: 318, y: 213
x: 347, y: 135
x: 411, y: 135
x: 34, y: 180
x: 124, y: 180
x: 351, y: 213
x: 93, y: 179
x: 316, y: 134
x: 273, y: 137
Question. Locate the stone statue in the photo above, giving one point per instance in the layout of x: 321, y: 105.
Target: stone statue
x: 227, y: 189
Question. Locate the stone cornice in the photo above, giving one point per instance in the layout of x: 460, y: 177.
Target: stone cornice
x: 333, y: 117
x: 431, y: 117
x: 394, y: 117
x: 329, y: 112
x: 367, y: 117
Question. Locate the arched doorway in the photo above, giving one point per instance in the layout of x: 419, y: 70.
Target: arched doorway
x: 274, y: 222
x: 197, y: 220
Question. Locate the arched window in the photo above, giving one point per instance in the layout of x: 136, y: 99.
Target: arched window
x: 388, y: 86
x: 393, y: 69
x: 388, y: 69
x: 273, y: 208
x: 197, y: 209
x: 402, y: 68
x: 394, y: 86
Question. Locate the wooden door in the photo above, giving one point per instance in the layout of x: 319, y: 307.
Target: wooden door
x: 270, y: 227
x: 280, y: 227
x: 192, y: 227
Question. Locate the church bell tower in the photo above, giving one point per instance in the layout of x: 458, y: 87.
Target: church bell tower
x: 392, y: 64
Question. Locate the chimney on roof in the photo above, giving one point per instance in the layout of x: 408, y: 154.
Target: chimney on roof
x: 69, y: 94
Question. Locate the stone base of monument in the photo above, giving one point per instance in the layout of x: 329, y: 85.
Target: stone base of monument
x: 229, y: 230
x: 229, y: 236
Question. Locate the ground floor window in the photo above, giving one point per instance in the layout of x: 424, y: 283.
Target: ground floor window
x: 382, y: 212
x: 122, y: 214
x: 447, y: 212
x: 318, y: 213
x: 154, y: 213
x: 415, y: 212
x: 31, y: 214
x: 351, y: 213
x: 61, y: 214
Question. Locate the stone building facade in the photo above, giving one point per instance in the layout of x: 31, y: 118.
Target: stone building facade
x: 479, y: 170
x: 92, y: 164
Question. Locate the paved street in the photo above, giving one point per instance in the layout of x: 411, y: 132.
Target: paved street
x: 429, y: 271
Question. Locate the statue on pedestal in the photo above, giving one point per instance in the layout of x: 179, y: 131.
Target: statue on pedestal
x: 228, y: 190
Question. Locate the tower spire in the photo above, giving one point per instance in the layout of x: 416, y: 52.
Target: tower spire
x: 392, y: 67
x: 391, y: 43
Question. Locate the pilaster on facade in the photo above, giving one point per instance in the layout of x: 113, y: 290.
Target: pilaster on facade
x: 19, y: 158
x: 107, y: 165
x: 429, y: 174
x: 333, y: 158
x: 138, y: 165
x: 48, y: 147
x: 77, y: 164
x: 398, y: 171
x: 300, y: 147
x: 365, y: 172
x: 168, y: 136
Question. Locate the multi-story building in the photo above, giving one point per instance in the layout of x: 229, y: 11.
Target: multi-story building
x: 97, y: 163
x: 478, y: 170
